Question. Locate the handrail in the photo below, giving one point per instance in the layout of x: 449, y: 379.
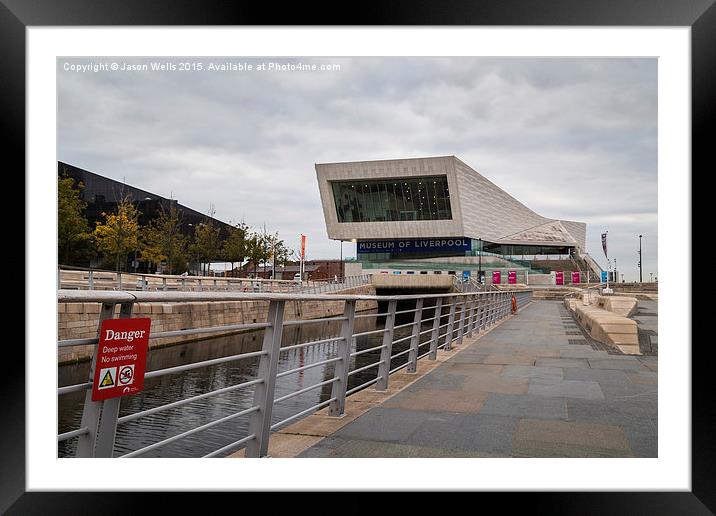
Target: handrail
x: 458, y: 314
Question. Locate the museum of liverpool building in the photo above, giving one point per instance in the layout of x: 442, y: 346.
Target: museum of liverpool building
x: 438, y: 215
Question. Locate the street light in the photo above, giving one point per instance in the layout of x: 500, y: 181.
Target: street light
x: 640, y: 280
x: 479, y: 254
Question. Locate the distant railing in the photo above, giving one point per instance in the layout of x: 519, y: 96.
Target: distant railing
x: 451, y: 318
x: 88, y: 279
x: 337, y: 284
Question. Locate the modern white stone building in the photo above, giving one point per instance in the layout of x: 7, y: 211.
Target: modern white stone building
x: 437, y: 210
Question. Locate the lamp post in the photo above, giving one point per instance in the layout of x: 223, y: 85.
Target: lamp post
x: 640, y: 280
x: 479, y: 260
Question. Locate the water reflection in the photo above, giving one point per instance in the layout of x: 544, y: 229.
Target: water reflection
x: 160, y: 391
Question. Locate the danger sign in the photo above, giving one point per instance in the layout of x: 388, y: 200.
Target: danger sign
x: 121, y: 358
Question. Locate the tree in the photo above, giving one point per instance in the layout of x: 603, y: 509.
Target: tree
x: 278, y: 252
x: 257, y: 249
x: 168, y: 237
x: 73, y: 231
x: 119, y: 234
x: 207, y: 239
x: 236, y: 246
x: 151, y: 245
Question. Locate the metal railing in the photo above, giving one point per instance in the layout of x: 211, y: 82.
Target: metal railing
x: 450, y: 317
x: 90, y: 279
x: 339, y: 284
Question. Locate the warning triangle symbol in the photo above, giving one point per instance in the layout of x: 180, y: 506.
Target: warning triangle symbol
x: 107, y: 381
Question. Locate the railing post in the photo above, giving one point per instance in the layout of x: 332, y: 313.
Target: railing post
x: 91, y: 280
x: 471, y: 320
x: 436, y: 329
x: 384, y: 367
x: 461, y: 326
x: 260, y: 421
x: 144, y: 282
x: 92, y: 409
x: 451, y: 325
x: 119, y: 277
x: 104, y: 446
x: 481, y: 312
x: 415, y: 338
x: 164, y: 284
x: 338, y: 406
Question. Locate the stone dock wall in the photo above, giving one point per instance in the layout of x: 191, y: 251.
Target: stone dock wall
x: 80, y: 320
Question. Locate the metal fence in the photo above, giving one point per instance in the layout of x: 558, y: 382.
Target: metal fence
x: 73, y: 279
x: 339, y: 284
x: 450, y: 318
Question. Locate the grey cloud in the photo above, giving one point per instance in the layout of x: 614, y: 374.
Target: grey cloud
x: 570, y: 138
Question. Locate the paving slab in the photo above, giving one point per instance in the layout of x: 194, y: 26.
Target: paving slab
x: 562, y: 362
x: 438, y: 400
x: 519, y: 371
x: 566, y: 388
x: 513, y: 359
x: 616, y: 363
x: 482, y: 432
x: 382, y: 424
x: 544, y: 438
x: 496, y: 383
x: 341, y: 448
x: 537, y: 407
x: 596, y: 375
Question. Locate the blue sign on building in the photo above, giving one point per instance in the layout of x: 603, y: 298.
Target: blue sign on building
x: 415, y: 245
x: 604, y: 276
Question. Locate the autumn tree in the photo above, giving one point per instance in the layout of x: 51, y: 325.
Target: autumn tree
x: 207, y: 239
x: 150, y: 245
x: 236, y: 246
x: 167, y: 240
x: 73, y: 231
x: 119, y: 233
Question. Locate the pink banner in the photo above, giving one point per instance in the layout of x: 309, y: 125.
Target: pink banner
x: 512, y: 277
x: 496, y: 280
x: 575, y: 277
x: 559, y: 277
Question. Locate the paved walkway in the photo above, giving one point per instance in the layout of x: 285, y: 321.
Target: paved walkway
x: 532, y: 387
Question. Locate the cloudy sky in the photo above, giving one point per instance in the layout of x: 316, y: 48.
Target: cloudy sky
x: 572, y: 139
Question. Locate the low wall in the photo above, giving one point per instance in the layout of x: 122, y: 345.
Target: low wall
x: 607, y: 327
x: 80, y: 320
x: 427, y: 281
x: 621, y: 305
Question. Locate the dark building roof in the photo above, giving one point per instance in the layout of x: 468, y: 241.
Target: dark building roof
x: 102, y: 194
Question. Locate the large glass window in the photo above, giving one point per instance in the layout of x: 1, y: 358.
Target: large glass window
x: 414, y: 198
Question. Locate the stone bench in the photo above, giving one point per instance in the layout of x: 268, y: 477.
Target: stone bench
x: 608, y: 327
x: 620, y: 305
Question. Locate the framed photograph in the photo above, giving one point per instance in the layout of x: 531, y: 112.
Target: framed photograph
x: 203, y: 182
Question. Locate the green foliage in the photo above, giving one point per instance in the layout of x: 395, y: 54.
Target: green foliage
x: 73, y: 232
x: 119, y: 234
x: 166, y: 241
x: 236, y: 246
x: 207, y: 240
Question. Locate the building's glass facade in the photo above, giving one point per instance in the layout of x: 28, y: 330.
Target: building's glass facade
x: 415, y: 198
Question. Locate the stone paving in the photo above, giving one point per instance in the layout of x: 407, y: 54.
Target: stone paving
x: 534, y: 386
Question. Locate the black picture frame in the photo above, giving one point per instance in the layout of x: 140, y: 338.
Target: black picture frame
x: 699, y: 15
